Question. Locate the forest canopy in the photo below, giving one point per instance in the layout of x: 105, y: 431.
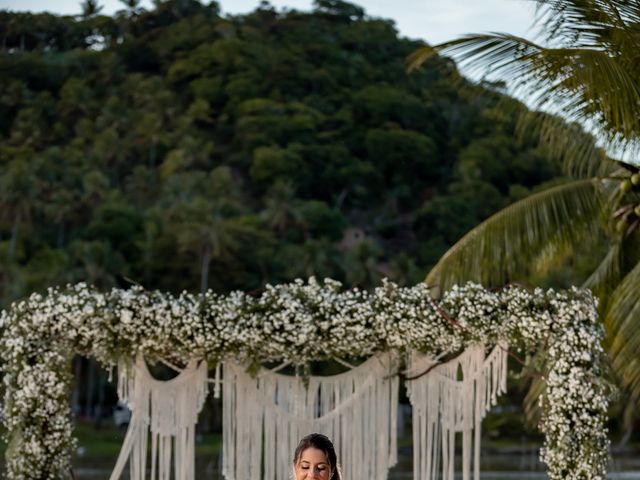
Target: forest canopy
x: 180, y: 149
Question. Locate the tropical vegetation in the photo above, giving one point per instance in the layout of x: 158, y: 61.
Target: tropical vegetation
x: 586, y: 68
x: 181, y: 149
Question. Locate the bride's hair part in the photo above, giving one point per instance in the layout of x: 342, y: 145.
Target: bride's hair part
x: 320, y: 442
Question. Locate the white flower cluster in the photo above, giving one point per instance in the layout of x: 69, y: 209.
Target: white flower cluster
x: 577, y: 397
x: 297, y: 323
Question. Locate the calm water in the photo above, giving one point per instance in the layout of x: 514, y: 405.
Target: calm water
x: 495, y: 466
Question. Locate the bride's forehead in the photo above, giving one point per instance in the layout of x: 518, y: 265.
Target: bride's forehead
x: 313, y: 455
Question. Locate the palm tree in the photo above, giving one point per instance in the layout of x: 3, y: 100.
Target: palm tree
x: 206, y: 228
x: 90, y: 8
x: 132, y: 6
x: 281, y: 207
x: 315, y: 257
x: 361, y: 265
x: 19, y: 191
x: 588, y: 71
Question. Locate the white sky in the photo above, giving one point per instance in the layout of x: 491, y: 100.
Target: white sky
x: 432, y: 20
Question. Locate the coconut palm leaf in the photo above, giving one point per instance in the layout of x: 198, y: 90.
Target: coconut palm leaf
x: 593, y: 22
x: 567, y: 143
x: 608, y: 272
x: 621, y: 323
x: 589, y: 78
x: 507, y: 242
x: 586, y: 71
x: 580, y: 79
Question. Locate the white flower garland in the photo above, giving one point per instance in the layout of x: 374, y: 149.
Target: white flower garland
x: 298, y: 323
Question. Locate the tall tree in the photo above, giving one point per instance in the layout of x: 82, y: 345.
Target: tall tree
x: 588, y: 70
x: 209, y: 229
x: 18, y: 197
x: 132, y: 6
x: 308, y: 132
x: 90, y: 8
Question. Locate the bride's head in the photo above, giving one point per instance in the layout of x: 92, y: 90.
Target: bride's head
x: 315, y: 459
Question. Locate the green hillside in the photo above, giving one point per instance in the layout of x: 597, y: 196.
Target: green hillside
x: 180, y: 149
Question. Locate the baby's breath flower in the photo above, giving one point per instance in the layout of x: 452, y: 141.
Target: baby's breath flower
x: 298, y: 323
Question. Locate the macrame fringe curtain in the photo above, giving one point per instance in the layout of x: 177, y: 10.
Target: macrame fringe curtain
x: 444, y: 404
x: 265, y: 417
x: 168, y: 412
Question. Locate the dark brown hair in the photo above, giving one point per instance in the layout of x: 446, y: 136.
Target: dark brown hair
x: 320, y: 442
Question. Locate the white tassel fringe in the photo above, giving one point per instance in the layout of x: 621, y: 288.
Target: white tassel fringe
x: 444, y: 405
x: 168, y: 411
x: 265, y: 417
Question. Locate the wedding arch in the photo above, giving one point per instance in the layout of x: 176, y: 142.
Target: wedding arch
x: 298, y: 323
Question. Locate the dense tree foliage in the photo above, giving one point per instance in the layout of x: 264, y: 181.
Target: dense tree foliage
x: 180, y: 149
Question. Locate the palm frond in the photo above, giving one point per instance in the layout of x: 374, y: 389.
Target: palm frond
x: 584, y: 84
x: 565, y: 18
x: 588, y: 21
x: 567, y: 143
x: 622, y: 323
x: 604, y: 89
x: 590, y: 86
x: 482, y: 53
x: 507, y: 242
x: 608, y: 272
x: 419, y: 56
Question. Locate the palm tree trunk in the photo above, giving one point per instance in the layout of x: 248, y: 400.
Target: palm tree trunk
x: 216, y: 418
x: 90, y: 388
x: 102, y: 380
x: 14, y: 237
x: 152, y: 154
x: 60, y: 240
x: 75, y: 397
x: 204, y: 270
x: 625, y: 438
